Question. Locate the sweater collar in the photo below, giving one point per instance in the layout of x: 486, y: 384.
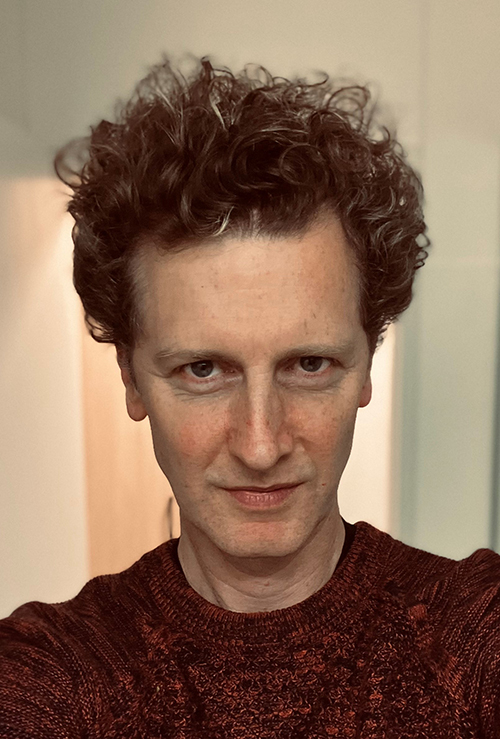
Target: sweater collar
x: 352, y: 581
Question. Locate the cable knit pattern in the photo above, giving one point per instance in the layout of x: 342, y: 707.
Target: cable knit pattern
x: 398, y: 644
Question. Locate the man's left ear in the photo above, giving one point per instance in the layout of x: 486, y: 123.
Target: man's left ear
x: 366, y: 392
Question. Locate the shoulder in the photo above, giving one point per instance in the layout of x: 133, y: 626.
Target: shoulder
x: 459, y: 600
x: 39, y: 676
x: 454, y: 591
x: 56, y: 658
x: 458, y: 595
x: 103, y: 605
x: 454, y: 609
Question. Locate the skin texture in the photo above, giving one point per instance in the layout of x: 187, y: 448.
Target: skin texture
x: 253, y: 418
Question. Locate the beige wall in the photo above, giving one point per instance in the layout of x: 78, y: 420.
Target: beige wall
x: 43, y: 527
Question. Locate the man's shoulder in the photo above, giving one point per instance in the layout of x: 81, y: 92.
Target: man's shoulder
x: 61, y: 658
x: 115, y: 605
x: 460, y: 598
x: 424, y: 575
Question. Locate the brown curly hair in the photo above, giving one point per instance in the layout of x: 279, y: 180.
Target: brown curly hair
x: 214, y: 154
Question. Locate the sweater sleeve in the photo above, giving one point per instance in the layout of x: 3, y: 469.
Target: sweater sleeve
x: 489, y: 710
x: 477, y: 635
x: 37, y: 680
x: 488, y: 661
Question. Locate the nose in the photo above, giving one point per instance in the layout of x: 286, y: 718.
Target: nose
x: 259, y: 434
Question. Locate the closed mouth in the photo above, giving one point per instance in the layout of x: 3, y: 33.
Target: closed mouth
x: 251, y: 489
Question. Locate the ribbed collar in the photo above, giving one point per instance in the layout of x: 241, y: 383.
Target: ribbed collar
x: 350, y: 584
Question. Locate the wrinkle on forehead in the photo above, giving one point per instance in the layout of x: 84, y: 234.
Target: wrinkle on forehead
x: 258, y: 269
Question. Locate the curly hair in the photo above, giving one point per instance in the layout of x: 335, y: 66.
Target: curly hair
x: 216, y: 154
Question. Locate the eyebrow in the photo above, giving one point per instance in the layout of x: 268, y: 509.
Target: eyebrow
x: 306, y: 350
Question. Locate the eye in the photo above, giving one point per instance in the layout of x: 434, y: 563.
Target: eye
x: 312, y: 364
x: 201, y: 369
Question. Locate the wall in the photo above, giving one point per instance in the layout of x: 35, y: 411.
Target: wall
x: 449, y: 370
x: 43, y: 531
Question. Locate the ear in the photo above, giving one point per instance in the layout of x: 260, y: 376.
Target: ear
x: 135, y: 406
x: 366, y: 392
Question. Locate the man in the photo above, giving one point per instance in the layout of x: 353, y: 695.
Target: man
x: 244, y: 242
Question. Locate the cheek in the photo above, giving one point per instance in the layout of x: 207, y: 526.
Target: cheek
x: 189, y: 439
x: 192, y: 440
x: 330, y: 433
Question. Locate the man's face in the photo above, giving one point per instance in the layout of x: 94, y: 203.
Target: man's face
x: 265, y: 411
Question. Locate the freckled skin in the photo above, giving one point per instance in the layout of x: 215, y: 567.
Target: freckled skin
x: 255, y: 419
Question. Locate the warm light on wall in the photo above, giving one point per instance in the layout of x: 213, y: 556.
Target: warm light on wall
x: 365, y: 488
x: 43, y: 537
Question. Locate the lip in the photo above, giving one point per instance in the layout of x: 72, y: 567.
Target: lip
x: 279, y: 486
x: 259, y: 498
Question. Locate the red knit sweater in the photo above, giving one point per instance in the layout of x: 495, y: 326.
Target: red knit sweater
x: 398, y: 643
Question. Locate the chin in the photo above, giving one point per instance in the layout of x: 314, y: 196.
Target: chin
x: 258, y: 540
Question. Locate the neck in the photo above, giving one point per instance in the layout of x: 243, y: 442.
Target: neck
x: 249, y: 585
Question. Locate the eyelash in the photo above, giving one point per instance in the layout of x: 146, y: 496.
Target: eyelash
x: 207, y: 380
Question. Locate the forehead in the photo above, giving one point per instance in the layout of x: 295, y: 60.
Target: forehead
x: 257, y: 287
